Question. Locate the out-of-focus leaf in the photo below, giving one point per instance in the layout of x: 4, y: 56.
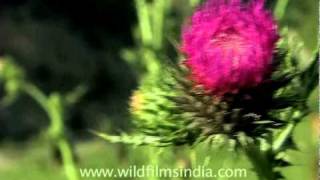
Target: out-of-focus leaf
x: 75, y: 95
x: 303, y: 160
x: 310, y: 76
x: 12, y: 77
x: 280, y: 9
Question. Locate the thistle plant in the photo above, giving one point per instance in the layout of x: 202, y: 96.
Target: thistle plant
x: 238, y: 84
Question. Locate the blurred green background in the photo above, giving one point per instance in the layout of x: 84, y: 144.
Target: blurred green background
x: 65, y: 43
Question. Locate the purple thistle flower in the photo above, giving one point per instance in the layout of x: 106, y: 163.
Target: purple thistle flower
x: 229, y: 45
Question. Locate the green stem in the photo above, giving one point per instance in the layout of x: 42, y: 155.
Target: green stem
x: 194, y: 3
x: 158, y: 15
x: 57, y: 133
x: 282, y: 138
x: 154, y: 154
x: 152, y: 62
x: 280, y: 9
x: 144, y: 22
x: 260, y: 163
x: 68, y: 159
x: 259, y: 159
x: 55, y: 113
x: 193, y: 158
x: 37, y: 95
x: 53, y: 106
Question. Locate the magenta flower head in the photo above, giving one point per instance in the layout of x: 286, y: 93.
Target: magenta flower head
x: 229, y: 45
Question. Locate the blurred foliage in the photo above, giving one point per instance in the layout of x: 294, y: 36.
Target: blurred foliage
x: 303, y: 158
x: 61, y: 48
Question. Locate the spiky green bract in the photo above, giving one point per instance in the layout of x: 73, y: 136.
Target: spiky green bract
x: 168, y: 106
x: 155, y: 113
x: 168, y: 109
